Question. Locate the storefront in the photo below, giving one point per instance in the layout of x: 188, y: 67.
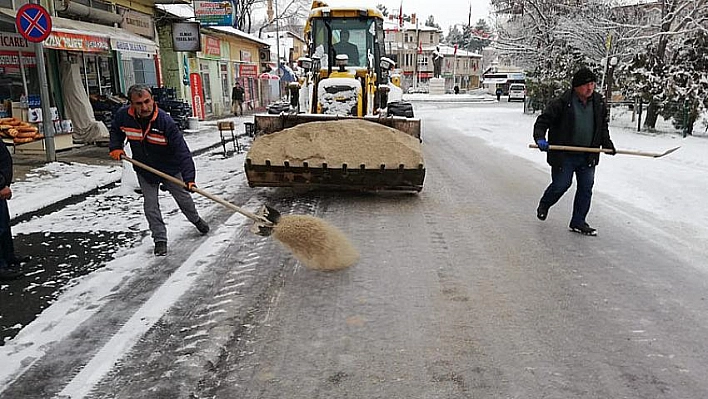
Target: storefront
x: 209, y: 67
x: 137, y: 63
x: 246, y: 73
x: 18, y: 71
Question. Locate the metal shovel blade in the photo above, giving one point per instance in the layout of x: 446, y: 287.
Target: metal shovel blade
x: 269, y: 214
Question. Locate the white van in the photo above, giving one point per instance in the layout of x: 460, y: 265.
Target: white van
x: 517, y: 91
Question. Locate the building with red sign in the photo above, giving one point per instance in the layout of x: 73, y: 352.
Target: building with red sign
x: 93, y: 53
x: 222, y: 56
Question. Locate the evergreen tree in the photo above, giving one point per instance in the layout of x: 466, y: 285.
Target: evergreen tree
x: 480, y: 36
x: 431, y: 22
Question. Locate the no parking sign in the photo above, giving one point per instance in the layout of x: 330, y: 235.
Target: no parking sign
x: 33, y: 22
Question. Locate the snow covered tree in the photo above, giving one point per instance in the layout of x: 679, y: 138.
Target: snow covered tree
x: 539, y: 34
x: 454, y: 36
x: 650, y: 40
x: 383, y: 9
x: 431, y: 22
x: 686, y: 95
x: 480, y: 36
x: 290, y: 15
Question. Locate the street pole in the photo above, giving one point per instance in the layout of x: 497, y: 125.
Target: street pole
x: 47, y: 121
x: 612, y: 62
x: 277, y: 51
x: 417, y: 48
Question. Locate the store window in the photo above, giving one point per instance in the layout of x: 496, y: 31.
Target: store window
x: 144, y: 70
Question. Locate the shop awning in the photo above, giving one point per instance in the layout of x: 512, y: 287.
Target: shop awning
x: 119, y: 39
x: 72, y: 35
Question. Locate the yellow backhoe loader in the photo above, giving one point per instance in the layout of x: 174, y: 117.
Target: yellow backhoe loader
x: 346, y: 126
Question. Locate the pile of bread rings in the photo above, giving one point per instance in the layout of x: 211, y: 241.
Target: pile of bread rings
x: 19, y: 131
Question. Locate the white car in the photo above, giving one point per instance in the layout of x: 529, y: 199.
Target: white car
x: 517, y: 91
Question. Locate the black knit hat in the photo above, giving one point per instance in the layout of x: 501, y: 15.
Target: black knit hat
x: 583, y: 76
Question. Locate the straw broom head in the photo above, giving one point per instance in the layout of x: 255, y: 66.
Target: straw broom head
x: 315, y: 243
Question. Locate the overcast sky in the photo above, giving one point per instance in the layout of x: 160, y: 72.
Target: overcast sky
x: 445, y: 12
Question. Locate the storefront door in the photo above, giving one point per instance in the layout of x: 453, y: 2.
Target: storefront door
x: 206, y: 84
x: 225, y: 88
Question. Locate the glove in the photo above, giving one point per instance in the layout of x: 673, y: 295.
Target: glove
x: 542, y: 144
x: 117, y: 154
x: 191, y: 186
x: 612, y: 149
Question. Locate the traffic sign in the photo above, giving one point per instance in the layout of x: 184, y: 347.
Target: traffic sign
x: 33, y: 22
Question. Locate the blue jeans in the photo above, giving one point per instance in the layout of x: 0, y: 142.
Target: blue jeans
x: 562, y: 178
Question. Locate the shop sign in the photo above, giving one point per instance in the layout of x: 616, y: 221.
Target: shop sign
x: 214, y: 13
x: 77, y: 42
x: 11, y: 59
x: 212, y: 47
x: 195, y: 85
x: 248, y: 70
x: 138, y: 23
x: 246, y: 56
x: 13, y: 41
x: 185, y: 36
x: 121, y: 45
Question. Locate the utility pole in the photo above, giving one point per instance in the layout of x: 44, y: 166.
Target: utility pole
x: 417, y: 49
x: 277, y: 50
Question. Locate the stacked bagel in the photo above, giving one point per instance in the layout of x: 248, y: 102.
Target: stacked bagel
x: 19, y: 131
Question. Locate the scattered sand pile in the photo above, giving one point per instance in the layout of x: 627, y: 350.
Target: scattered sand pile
x: 349, y: 141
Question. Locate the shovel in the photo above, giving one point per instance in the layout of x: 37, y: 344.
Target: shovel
x: 606, y: 150
x: 265, y: 220
x: 317, y: 244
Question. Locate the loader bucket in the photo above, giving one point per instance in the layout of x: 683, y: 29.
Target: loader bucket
x: 336, y: 153
x: 269, y: 123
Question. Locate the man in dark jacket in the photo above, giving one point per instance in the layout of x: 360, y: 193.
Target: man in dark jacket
x: 156, y: 141
x: 577, y: 118
x: 237, y: 99
x: 9, y: 263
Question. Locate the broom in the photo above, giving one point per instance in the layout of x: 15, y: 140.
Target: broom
x: 314, y: 242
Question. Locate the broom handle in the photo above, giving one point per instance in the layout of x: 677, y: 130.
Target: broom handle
x: 198, y: 190
x: 594, y: 149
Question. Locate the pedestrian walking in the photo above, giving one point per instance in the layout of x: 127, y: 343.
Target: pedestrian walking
x: 577, y: 117
x: 156, y: 141
x: 10, y: 264
x: 237, y: 99
x: 499, y: 93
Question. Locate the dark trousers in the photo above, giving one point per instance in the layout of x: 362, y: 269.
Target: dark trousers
x: 562, y: 178
x: 7, y: 249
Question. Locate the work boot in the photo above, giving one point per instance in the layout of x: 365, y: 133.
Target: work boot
x: 202, y: 226
x: 10, y: 273
x: 160, y: 248
x: 583, y: 229
x: 541, y: 212
x: 19, y: 261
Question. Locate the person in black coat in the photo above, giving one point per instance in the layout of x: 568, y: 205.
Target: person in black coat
x: 237, y: 99
x: 576, y: 118
x: 9, y: 263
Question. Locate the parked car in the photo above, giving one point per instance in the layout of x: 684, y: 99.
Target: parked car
x: 517, y: 91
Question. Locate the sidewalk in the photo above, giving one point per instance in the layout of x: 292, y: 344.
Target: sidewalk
x: 39, y: 184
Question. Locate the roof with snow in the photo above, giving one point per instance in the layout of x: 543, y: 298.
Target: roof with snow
x: 449, y: 51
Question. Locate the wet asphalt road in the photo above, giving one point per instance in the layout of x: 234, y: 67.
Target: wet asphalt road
x: 460, y: 293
